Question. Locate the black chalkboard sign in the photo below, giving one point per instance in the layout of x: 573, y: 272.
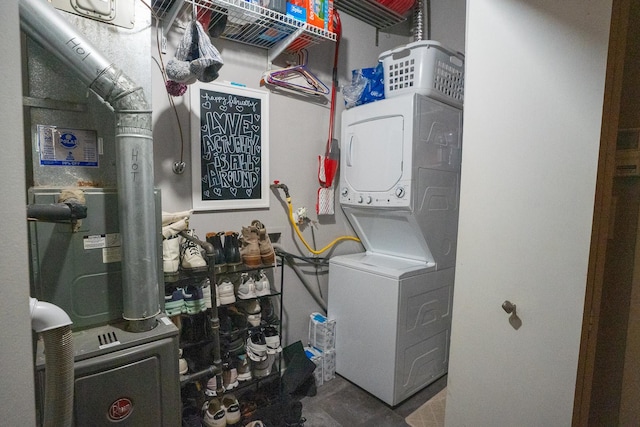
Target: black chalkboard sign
x: 230, y: 147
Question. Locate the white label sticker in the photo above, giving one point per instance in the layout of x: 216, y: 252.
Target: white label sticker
x: 94, y: 242
x: 113, y: 254
x: 99, y: 241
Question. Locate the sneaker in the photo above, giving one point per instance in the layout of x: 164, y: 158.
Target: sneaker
x: 231, y: 408
x: 214, y: 414
x: 269, y: 312
x: 262, y: 368
x: 226, y: 294
x: 251, y: 309
x: 194, y: 299
x: 263, y: 287
x: 183, y: 367
x: 247, y: 287
x: 191, y: 256
x: 243, y: 368
x: 272, y: 340
x: 212, y: 387
x: 170, y: 257
x: 206, y: 293
x: 256, y: 423
x: 229, y: 378
x: 174, y: 302
x: 235, y: 346
x: 257, y: 347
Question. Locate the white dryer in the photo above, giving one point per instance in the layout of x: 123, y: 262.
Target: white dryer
x: 399, y: 187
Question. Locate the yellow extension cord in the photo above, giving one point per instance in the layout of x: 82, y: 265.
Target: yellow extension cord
x: 313, y: 251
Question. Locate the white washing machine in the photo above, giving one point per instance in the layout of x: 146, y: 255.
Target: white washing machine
x: 399, y: 187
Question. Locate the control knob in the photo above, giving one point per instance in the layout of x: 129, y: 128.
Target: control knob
x: 369, y: 200
x: 344, y: 191
x: 400, y: 192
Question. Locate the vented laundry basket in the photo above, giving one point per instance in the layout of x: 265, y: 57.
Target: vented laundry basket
x: 427, y: 68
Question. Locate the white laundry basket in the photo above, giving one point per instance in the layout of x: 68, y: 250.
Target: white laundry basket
x: 424, y: 67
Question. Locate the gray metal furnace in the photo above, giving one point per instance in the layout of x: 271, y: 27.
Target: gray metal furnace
x: 122, y: 378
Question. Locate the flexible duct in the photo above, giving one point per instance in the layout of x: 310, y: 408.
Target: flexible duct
x: 54, y: 325
x: 134, y: 154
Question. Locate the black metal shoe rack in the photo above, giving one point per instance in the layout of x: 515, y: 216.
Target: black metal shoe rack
x: 211, y: 336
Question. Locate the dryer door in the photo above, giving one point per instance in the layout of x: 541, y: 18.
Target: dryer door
x: 372, y: 158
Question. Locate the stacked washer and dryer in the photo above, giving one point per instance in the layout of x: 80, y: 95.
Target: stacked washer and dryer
x: 399, y: 188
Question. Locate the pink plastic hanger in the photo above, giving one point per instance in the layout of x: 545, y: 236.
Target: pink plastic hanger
x: 297, y: 78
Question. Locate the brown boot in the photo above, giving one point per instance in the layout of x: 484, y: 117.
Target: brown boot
x: 250, y: 250
x: 267, y: 254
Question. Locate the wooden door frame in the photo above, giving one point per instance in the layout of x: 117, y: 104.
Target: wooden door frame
x: 602, y: 211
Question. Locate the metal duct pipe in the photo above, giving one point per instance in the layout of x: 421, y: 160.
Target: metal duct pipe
x: 134, y: 154
x: 54, y: 325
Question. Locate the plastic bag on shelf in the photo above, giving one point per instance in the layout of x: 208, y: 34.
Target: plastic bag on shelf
x: 367, y: 85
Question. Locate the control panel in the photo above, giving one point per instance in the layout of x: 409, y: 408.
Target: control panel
x: 399, y: 196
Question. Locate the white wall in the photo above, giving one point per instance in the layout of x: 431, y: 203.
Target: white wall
x: 448, y: 22
x: 17, y: 405
x: 533, y: 109
x: 298, y: 132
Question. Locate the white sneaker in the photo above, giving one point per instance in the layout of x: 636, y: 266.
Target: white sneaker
x: 263, y: 287
x: 251, y: 309
x: 247, y: 287
x: 257, y: 347
x: 254, y: 319
x: 231, y: 408
x: 212, y: 387
x: 214, y: 414
x: 206, y: 293
x: 263, y: 368
x: 170, y: 255
x: 191, y: 256
x: 183, y: 367
x: 226, y: 293
x: 272, y: 339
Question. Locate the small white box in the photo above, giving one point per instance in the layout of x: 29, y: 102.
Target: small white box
x: 316, y: 357
x: 328, y: 365
x: 322, y: 332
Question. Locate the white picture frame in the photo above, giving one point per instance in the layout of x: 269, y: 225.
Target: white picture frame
x: 229, y: 147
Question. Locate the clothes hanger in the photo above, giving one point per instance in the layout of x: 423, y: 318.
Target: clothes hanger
x: 297, y: 78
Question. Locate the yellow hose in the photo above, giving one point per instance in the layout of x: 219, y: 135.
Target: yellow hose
x: 313, y: 251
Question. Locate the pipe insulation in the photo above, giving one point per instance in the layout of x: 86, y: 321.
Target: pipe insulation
x: 134, y: 154
x: 55, y: 326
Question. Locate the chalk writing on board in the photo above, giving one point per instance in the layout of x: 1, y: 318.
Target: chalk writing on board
x: 230, y: 146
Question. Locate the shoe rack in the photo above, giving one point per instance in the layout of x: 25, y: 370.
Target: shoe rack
x: 205, y: 342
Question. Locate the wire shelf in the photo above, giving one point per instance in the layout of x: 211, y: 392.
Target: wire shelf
x: 371, y: 12
x: 243, y: 22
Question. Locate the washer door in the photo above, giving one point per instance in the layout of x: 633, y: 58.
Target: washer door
x: 372, y: 156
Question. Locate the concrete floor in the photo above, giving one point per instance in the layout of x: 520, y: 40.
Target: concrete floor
x: 340, y: 403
